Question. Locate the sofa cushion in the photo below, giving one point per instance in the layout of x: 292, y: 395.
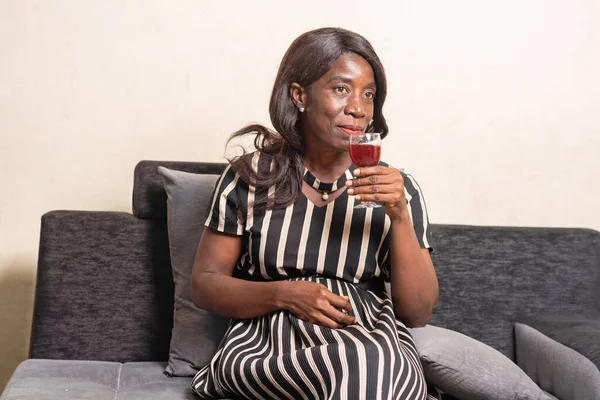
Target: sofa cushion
x: 95, y: 380
x: 196, y: 333
x: 555, y: 367
x: 149, y: 197
x: 578, y: 332
x: 468, y: 369
x: 44, y: 379
x: 146, y: 381
x: 550, y: 395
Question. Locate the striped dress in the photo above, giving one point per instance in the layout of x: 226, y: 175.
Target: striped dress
x: 278, y: 356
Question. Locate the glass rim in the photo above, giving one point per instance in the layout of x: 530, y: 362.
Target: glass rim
x: 364, y: 136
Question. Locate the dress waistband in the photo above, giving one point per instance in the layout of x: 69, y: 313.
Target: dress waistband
x: 374, y: 285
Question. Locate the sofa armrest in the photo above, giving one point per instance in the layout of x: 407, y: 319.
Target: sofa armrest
x: 104, y: 288
x: 555, y: 366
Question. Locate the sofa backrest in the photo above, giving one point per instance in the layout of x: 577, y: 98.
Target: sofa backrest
x: 105, y: 290
x: 104, y: 287
x: 491, y: 277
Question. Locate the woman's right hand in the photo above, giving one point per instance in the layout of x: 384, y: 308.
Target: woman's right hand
x: 314, y: 303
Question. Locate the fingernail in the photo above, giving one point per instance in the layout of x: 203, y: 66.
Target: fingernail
x: 350, y: 191
x: 349, y: 182
x: 357, y: 172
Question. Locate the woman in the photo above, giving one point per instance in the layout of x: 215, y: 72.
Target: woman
x: 296, y: 267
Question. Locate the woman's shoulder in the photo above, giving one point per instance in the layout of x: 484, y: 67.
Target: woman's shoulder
x: 255, y: 160
x: 249, y: 158
x: 248, y: 166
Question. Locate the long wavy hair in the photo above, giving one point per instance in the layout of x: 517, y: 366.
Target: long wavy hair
x: 308, y: 58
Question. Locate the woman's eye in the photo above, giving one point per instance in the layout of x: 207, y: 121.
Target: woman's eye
x: 341, y: 89
x: 370, y: 95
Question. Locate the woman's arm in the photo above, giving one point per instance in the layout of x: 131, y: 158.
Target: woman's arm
x: 414, y: 284
x: 214, y: 288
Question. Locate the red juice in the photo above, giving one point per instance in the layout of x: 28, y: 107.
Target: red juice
x: 365, y: 155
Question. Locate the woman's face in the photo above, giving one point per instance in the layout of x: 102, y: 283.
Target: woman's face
x: 338, y: 104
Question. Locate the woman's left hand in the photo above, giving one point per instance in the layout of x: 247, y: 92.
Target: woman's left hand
x: 381, y: 184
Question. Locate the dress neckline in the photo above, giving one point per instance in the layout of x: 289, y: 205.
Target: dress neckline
x: 314, y: 182
x: 324, y: 187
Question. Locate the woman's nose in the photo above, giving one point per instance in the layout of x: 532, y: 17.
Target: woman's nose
x: 355, y: 106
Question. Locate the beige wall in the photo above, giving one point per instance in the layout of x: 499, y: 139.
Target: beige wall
x: 493, y: 106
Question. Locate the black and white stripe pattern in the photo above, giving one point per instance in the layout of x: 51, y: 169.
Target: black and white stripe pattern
x: 279, y: 356
x: 335, y: 241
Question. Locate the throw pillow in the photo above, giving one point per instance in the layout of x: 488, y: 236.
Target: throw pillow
x: 552, y: 361
x: 578, y: 332
x: 196, y: 333
x: 468, y: 369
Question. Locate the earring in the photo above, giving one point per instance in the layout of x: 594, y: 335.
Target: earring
x: 301, y: 109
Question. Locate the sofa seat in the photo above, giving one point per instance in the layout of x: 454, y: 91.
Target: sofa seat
x: 94, y: 380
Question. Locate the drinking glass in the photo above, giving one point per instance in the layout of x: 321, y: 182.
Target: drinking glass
x: 365, y: 151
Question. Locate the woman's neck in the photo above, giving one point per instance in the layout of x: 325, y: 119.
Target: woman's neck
x: 327, y: 166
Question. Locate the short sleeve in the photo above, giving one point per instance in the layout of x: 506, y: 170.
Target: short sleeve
x: 418, y: 214
x: 225, y: 213
x: 418, y: 211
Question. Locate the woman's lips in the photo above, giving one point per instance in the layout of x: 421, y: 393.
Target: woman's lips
x: 350, y: 129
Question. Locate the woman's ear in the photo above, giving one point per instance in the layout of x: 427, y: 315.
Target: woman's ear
x: 298, y: 95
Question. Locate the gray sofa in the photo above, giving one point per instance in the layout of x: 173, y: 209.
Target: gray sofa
x: 104, y: 300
